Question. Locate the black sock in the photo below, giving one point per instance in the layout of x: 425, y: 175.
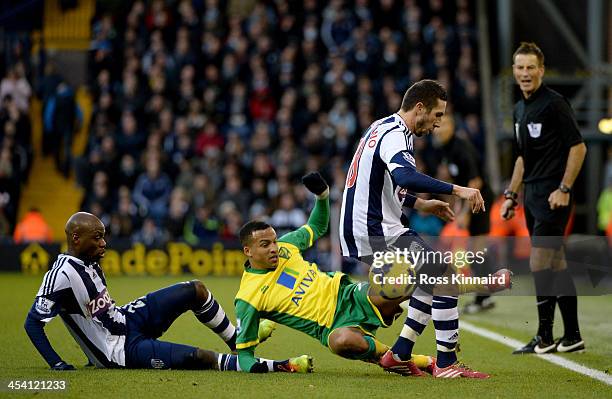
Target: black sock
x: 546, y: 303
x: 568, y: 303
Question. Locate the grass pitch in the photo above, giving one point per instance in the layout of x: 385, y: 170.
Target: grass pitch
x: 512, y: 376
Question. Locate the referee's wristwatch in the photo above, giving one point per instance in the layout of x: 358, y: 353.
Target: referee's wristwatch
x: 511, y: 195
x: 564, y: 189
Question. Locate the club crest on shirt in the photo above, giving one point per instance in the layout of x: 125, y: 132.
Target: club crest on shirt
x: 284, y: 253
x: 535, y: 129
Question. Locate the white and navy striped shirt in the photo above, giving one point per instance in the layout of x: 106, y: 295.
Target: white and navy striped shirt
x: 372, y: 201
x: 77, y: 292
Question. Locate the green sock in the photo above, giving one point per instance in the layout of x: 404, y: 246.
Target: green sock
x: 370, y: 353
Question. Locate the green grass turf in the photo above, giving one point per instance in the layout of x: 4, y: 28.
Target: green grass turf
x: 513, y: 376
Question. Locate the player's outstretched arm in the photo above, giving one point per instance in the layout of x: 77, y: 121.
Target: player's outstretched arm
x: 35, y: 329
x: 402, y: 166
x: 318, y: 221
x: 411, y: 179
x: 319, y: 216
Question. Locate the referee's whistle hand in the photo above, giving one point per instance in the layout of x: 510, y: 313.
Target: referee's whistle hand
x: 558, y: 199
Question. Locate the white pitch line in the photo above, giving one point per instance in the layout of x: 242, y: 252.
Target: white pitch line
x: 558, y: 360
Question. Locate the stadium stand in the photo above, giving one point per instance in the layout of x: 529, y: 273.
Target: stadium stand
x: 216, y: 95
x: 205, y: 114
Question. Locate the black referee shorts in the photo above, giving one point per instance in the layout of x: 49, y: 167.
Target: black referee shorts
x: 546, y: 226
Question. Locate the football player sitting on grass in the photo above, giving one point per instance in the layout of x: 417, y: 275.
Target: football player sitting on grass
x: 127, y: 336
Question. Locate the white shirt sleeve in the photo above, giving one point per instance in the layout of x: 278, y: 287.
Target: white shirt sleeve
x: 48, y: 295
x: 394, y: 150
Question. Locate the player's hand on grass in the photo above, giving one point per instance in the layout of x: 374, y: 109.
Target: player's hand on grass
x: 437, y: 208
x: 315, y: 183
x: 558, y: 199
x: 507, y: 209
x: 472, y: 195
x: 62, y: 366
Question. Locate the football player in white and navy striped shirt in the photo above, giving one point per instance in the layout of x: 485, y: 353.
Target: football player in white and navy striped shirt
x: 382, y: 173
x: 112, y: 336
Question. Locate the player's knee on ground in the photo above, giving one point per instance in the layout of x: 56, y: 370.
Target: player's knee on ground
x: 198, y: 359
x: 206, y: 359
x: 347, y: 343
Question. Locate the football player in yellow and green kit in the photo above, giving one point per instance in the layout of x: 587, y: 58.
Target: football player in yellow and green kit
x: 279, y: 285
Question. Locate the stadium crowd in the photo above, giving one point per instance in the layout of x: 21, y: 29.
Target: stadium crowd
x: 206, y: 113
x: 15, y: 142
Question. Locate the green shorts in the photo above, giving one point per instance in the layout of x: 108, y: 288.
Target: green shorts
x: 354, y: 309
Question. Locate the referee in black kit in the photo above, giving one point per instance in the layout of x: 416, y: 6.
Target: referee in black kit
x: 550, y: 155
x: 463, y: 163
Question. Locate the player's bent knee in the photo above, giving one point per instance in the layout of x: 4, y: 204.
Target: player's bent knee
x: 200, y: 290
x: 347, y: 343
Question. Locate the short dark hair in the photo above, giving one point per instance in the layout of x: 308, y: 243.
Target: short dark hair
x: 426, y: 91
x: 246, y: 231
x: 529, y: 48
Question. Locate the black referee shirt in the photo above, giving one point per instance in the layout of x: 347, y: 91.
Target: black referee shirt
x: 544, y: 129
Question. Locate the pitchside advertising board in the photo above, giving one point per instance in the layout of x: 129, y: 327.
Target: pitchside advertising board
x: 127, y: 259
x: 588, y: 258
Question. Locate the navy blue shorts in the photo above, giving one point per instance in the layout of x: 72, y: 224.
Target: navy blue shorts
x: 147, y: 319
